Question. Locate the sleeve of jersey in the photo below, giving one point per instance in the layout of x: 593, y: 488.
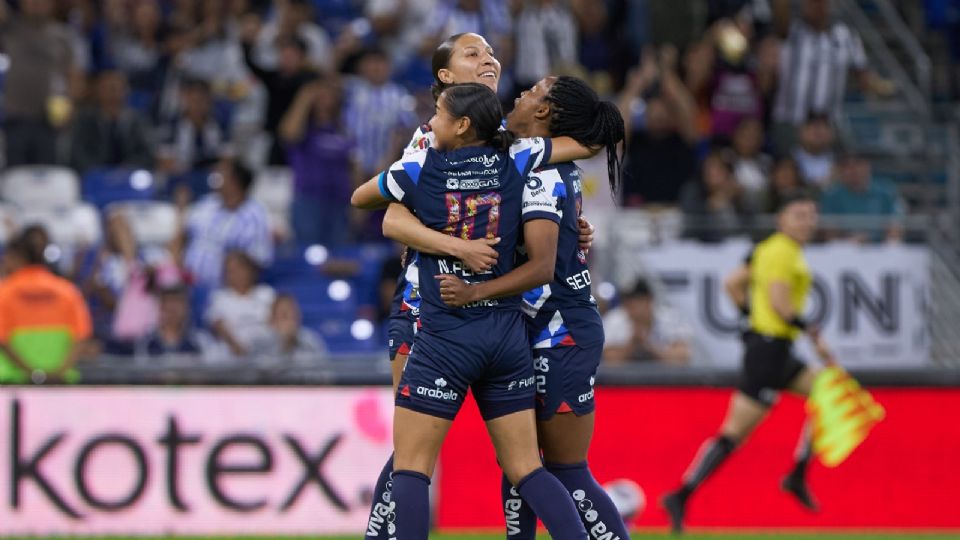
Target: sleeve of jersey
x: 422, y: 139
x: 542, y: 197
x: 400, y: 181
x: 530, y: 153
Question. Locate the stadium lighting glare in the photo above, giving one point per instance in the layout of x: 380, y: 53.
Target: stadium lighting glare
x: 316, y: 254
x: 606, y: 290
x: 141, y: 180
x: 52, y: 253
x: 339, y: 290
x: 361, y: 329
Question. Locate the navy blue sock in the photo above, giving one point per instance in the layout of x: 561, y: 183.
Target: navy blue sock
x: 382, y: 514
x: 521, y: 521
x: 597, y: 511
x: 552, y: 504
x: 411, y: 495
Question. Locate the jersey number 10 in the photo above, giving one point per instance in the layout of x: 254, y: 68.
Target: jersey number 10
x: 462, y: 213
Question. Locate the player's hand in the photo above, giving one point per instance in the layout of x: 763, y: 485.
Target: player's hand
x: 455, y: 291
x: 820, y: 346
x: 478, y: 255
x: 586, y: 234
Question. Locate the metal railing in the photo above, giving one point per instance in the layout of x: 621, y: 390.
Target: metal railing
x: 919, y: 57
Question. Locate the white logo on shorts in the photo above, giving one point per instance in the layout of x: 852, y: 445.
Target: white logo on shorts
x: 441, y: 382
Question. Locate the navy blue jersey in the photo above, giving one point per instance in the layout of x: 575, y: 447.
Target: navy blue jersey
x: 406, y: 297
x: 473, y: 192
x: 564, y: 312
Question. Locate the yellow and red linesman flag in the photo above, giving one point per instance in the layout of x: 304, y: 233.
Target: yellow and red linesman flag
x: 843, y: 414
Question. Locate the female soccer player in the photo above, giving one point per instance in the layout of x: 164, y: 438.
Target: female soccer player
x: 474, y: 185
x: 777, y: 284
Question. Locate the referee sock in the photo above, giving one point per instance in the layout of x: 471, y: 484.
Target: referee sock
x: 411, y: 495
x: 519, y: 517
x: 552, y: 504
x: 803, y: 454
x: 591, y: 500
x: 714, y: 452
x: 382, y: 507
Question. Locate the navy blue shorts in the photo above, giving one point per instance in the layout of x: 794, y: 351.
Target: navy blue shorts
x: 565, y: 377
x: 491, y: 357
x: 401, y: 328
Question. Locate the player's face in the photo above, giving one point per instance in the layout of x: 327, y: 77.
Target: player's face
x: 472, y: 60
x: 799, y: 221
x: 447, y: 129
x: 530, y: 107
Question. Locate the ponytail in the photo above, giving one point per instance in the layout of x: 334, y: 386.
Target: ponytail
x: 578, y: 113
x: 502, y: 140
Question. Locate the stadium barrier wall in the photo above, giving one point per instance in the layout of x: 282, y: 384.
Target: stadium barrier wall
x: 192, y: 461
x: 904, y: 476
x: 302, y: 460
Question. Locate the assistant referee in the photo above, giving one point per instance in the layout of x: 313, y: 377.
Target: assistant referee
x: 772, y: 287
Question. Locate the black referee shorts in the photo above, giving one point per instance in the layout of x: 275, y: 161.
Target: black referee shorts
x: 769, y: 366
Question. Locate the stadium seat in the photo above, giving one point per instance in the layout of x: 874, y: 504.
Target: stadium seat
x: 105, y: 186
x: 273, y: 188
x: 153, y: 222
x: 40, y: 187
x: 8, y: 222
x: 77, y: 225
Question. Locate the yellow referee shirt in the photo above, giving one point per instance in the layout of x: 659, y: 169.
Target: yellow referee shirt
x: 778, y: 258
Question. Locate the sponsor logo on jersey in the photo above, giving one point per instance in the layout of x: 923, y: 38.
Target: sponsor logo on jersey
x: 534, y: 182
x: 469, y: 184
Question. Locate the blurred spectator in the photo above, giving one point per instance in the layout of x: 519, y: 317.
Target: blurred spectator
x: 814, y: 154
x: 203, y: 43
x: 643, y: 331
x: 120, y: 284
x: 36, y: 102
x: 399, y: 26
x: 751, y: 166
x: 546, y: 37
x: 739, y: 83
x: 282, y: 84
x: 224, y: 221
x: 239, y: 312
x: 785, y: 184
x: 193, y: 141
x: 137, y: 46
x: 818, y: 53
x: 44, y: 321
x: 661, y: 132
x: 324, y: 171
x: 488, y: 18
x: 286, y: 338
x: 597, y: 45
x: 378, y: 114
x: 857, y: 194
x: 293, y: 19
x: 713, y: 206
x: 174, y: 334
x: 109, y: 133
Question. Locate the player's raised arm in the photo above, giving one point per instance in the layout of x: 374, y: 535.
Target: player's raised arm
x: 567, y: 149
x: 401, y: 225
x: 541, y: 243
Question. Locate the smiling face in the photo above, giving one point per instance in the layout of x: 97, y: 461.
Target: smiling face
x: 471, y: 60
x: 448, y: 129
x: 531, y: 111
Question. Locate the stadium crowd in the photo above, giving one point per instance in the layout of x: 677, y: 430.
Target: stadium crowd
x: 173, y: 159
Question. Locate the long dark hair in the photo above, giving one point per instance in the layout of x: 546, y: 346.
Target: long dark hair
x: 577, y: 112
x: 441, y: 60
x: 478, y: 103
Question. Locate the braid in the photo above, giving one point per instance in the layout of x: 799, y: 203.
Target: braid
x: 578, y: 113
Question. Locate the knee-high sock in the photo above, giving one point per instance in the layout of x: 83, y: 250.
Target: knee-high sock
x: 382, y: 506
x: 552, y: 504
x: 713, y: 452
x: 411, y: 494
x: 520, y: 519
x: 804, y: 452
x: 597, y: 511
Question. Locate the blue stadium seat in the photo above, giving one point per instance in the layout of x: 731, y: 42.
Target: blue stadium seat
x: 104, y: 186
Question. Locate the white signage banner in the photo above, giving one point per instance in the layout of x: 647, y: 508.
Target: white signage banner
x: 870, y: 300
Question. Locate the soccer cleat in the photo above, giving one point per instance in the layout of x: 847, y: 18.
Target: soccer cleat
x: 797, y: 486
x: 674, y: 504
